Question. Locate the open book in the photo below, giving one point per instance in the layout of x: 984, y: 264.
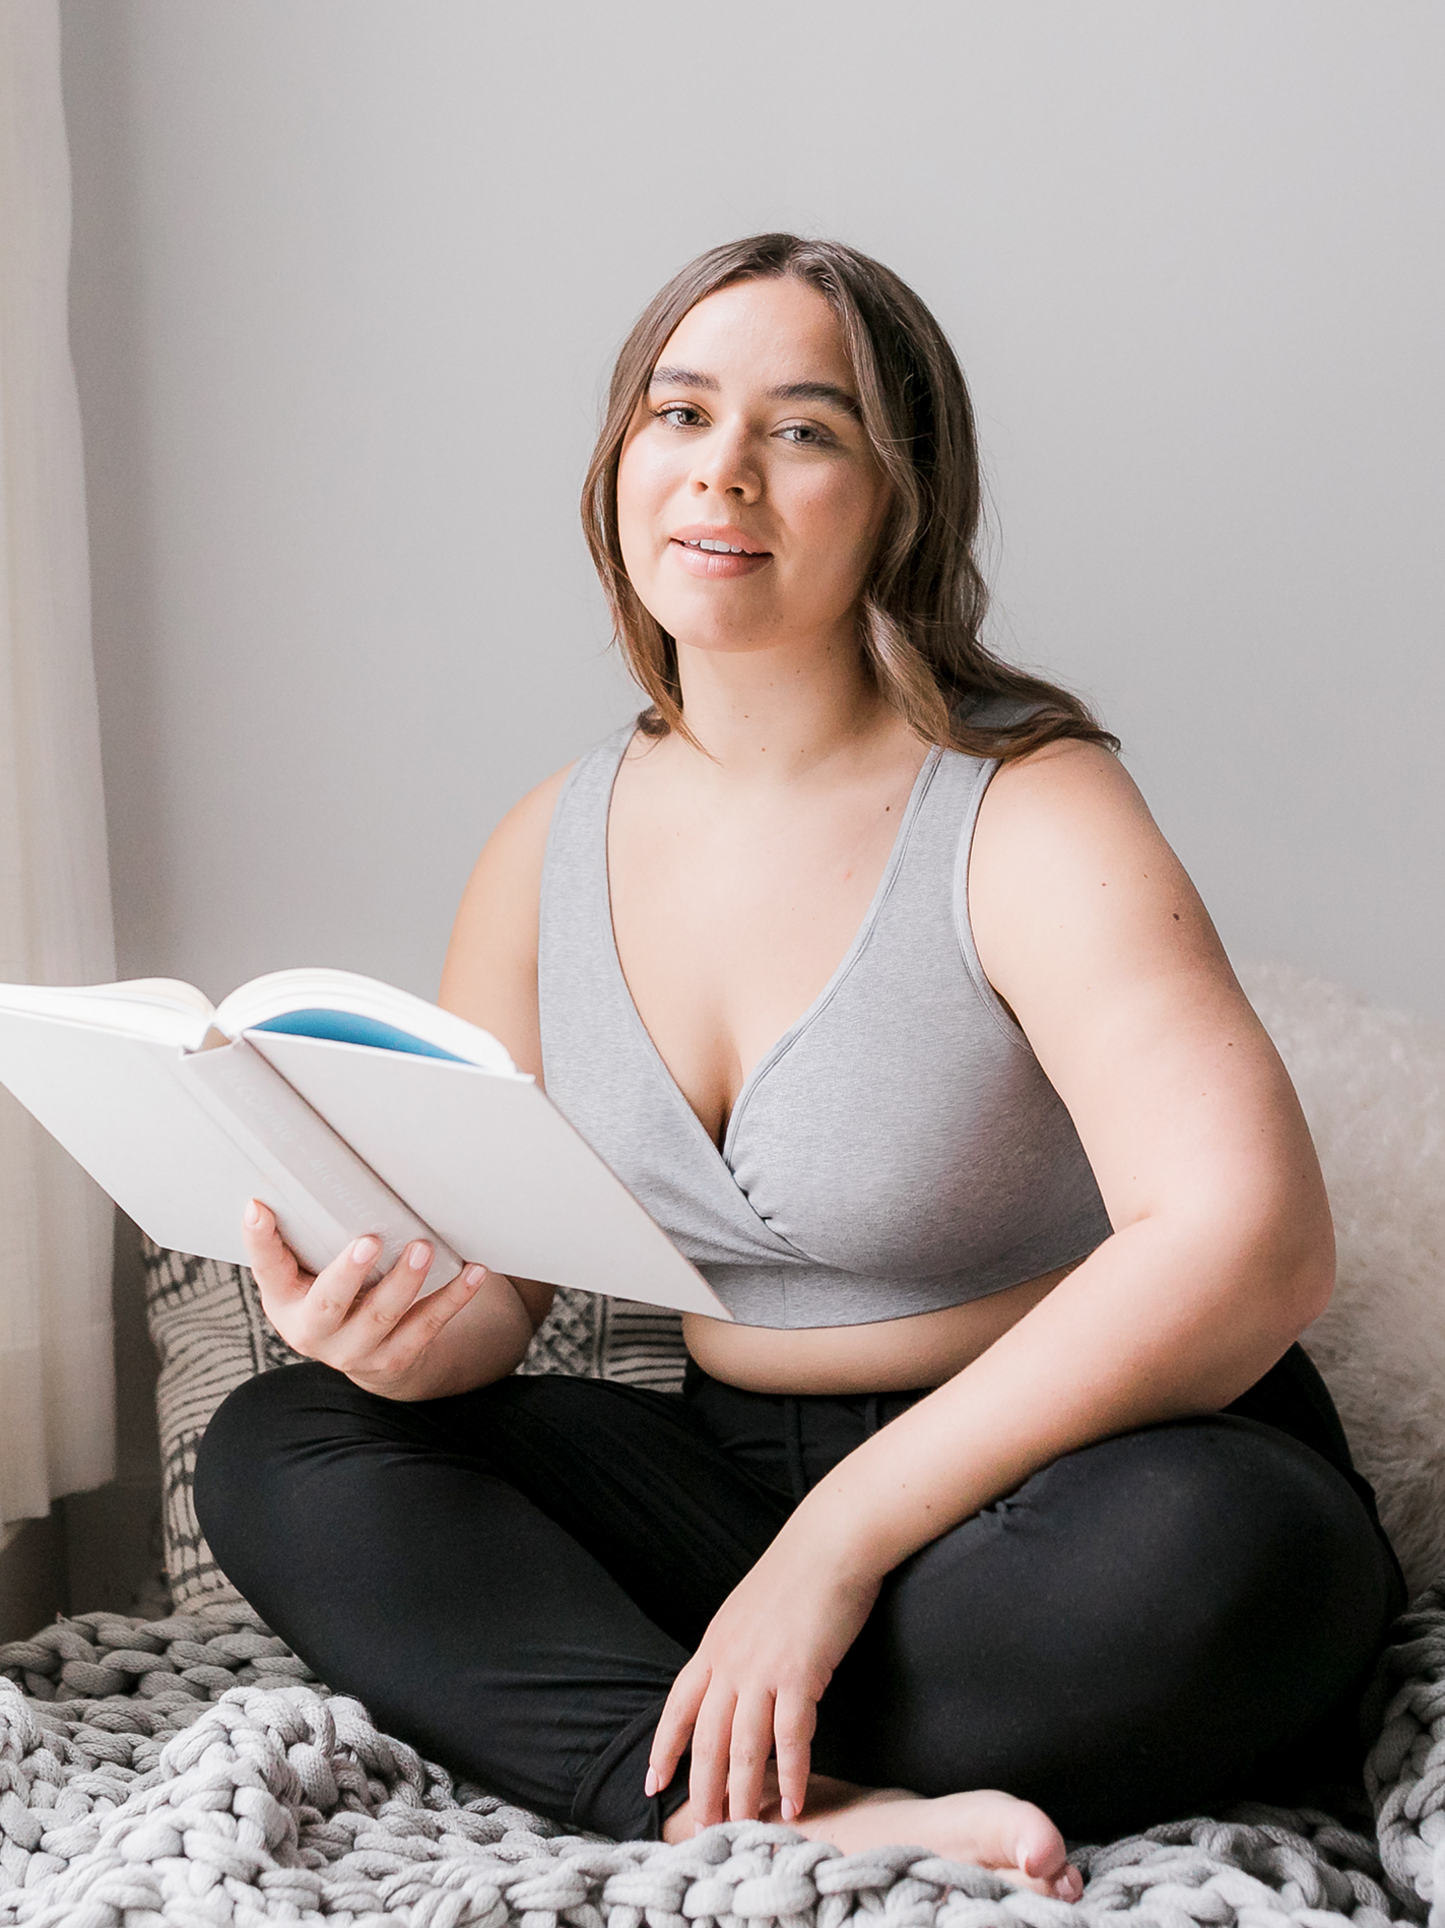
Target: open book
x: 347, y: 1107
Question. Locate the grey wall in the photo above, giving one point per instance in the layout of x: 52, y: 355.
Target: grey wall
x: 346, y: 278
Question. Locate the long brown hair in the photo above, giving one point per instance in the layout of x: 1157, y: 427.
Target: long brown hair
x: 924, y: 600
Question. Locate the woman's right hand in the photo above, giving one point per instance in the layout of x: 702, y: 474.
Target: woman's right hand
x: 379, y: 1337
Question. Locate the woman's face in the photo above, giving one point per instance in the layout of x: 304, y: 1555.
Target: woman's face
x: 749, y: 438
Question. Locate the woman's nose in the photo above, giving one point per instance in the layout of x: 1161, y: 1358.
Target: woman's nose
x: 726, y: 465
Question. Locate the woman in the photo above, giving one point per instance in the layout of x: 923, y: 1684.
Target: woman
x: 1007, y: 1504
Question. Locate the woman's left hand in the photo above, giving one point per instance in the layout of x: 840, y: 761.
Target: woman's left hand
x: 752, y: 1688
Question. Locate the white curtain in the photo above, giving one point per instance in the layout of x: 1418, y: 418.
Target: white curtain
x: 57, y: 1396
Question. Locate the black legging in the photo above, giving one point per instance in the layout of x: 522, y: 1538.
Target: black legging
x: 510, y: 1579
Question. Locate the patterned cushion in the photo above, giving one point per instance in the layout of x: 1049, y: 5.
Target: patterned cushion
x: 206, y: 1320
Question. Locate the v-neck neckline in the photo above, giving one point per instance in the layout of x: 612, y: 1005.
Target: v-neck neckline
x: 724, y: 1152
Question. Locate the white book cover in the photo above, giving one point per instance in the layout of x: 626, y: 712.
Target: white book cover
x: 346, y: 1106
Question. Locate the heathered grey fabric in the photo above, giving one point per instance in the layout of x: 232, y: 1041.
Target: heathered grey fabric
x: 899, y: 1149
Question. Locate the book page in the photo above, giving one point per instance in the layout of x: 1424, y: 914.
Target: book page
x: 349, y: 1009
x: 162, y: 1009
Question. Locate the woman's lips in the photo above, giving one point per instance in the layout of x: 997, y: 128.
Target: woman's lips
x: 715, y: 565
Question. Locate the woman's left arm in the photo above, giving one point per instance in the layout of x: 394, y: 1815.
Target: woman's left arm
x: 1222, y: 1249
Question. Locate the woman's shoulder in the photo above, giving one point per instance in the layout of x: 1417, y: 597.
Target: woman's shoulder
x: 512, y: 856
x: 1074, y: 892
x: 1035, y: 804
x: 1060, y: 827
x: 1063, y: 795
x: 490, y: 975
x: 510, y: 865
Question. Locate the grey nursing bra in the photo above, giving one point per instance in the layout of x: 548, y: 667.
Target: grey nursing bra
x: 899, y: 1148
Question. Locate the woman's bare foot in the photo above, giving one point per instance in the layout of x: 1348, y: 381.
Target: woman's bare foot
x: 989, y: 1829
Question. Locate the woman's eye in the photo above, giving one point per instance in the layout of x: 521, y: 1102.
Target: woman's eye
x: 805, y: 434
x: 680, y: 414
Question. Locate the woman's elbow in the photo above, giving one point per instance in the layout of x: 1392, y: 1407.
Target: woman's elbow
x: 1314, y: 1280
x: 1270, y: 1269
x: 1297, y: 1264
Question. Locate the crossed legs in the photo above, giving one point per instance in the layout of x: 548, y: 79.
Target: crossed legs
x: 511, y: 1579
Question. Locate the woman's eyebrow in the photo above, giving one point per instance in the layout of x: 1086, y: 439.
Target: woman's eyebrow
x: 789, y: 392
x: 682, y: 378
x: 818, y: 392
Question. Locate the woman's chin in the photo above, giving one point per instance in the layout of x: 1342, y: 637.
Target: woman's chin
x: 729, y: 623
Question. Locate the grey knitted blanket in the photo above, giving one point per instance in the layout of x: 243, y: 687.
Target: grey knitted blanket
x: 184, y: 1772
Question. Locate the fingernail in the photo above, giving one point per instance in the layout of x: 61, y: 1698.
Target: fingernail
x: 474, y: 1275
x: 649, y: 1786
x: 698, y: 1827
x: 253, y: 1213
x: 418, y: 1256
x: 790, y: 1813
x: 1021, y: 1855
x: 365, y: 1250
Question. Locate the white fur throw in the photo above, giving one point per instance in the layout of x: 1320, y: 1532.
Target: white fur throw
x: 1372, y: 1083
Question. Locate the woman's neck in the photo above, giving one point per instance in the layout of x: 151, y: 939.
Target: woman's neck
x: 775, y: 716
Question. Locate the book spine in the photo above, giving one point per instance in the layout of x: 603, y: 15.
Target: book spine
x: 322, y: 1193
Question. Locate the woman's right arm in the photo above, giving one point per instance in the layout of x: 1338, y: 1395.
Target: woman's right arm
x: 476, y: 1329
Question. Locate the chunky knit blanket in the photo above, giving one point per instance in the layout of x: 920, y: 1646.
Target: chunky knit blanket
x: 187, y: 1771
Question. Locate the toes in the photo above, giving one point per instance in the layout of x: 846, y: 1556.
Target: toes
x: 1069, y: 1886
x: 1025, y: 1845
x: 1040, y: 1850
